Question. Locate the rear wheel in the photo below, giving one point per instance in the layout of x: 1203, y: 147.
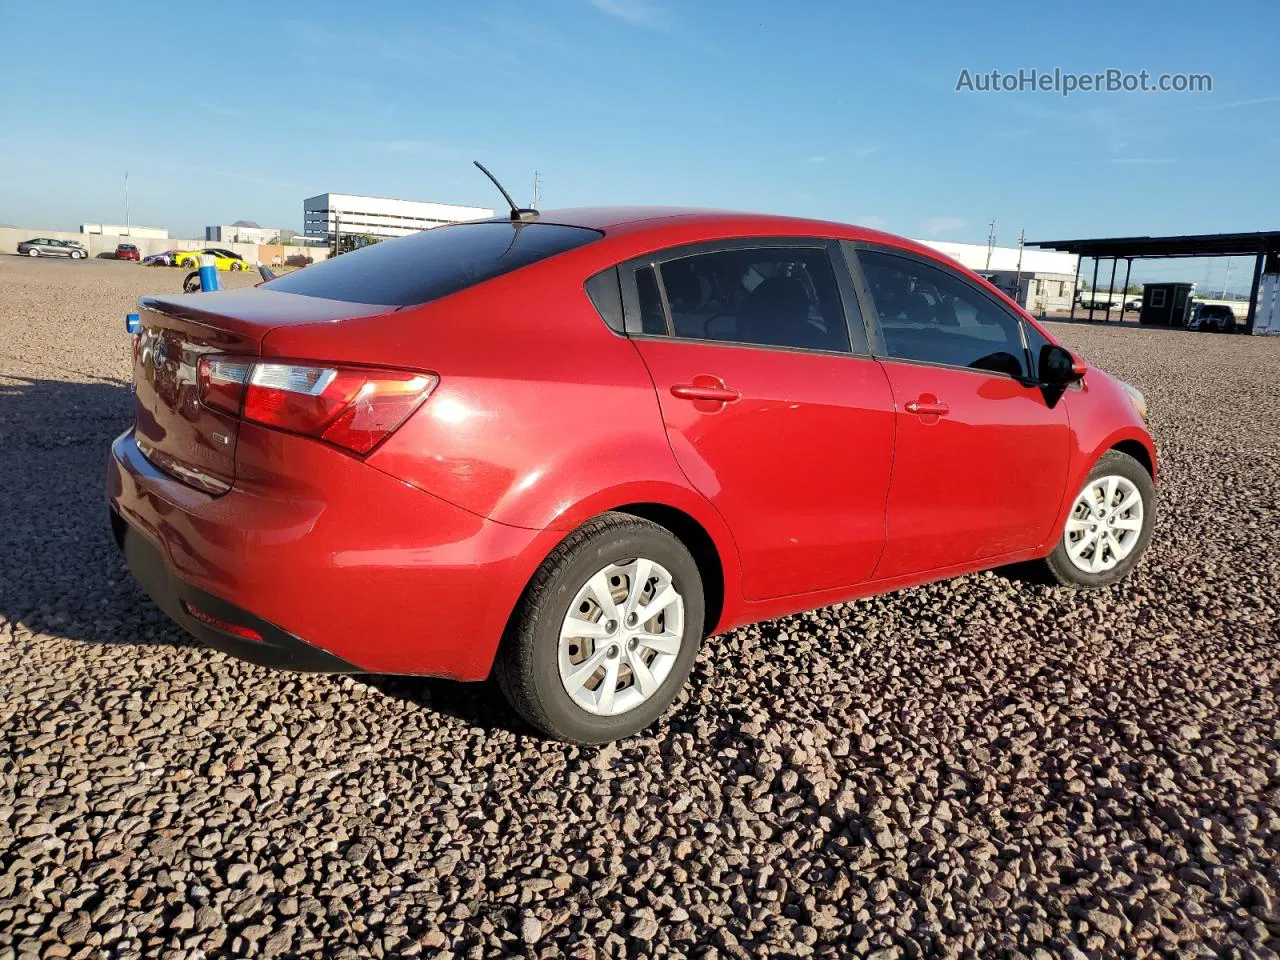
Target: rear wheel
x: 1109, y: 526
x: 32, y: 252
x: 606, y: 633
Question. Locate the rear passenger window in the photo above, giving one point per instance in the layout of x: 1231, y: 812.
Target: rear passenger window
x: 772, y: 296
x: 934, y: 316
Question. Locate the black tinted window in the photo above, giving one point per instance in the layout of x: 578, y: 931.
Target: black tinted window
x: 606, y: 296
x: 774, y: 296
x: 1036, y: 341
x: 927, y: 313
x: 432, y: 264
x: 652, y: 319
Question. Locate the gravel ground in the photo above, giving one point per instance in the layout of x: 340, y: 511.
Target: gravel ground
x: 977, y: 768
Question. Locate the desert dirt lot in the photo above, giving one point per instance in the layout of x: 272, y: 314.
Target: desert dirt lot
x: 983, y: 767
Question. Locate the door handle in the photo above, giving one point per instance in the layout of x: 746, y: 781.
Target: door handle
x: 701, y: 391
x: 928, y: 408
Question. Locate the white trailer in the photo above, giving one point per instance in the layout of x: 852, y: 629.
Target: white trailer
x: 1266, y: 318
x: 1100, y: 299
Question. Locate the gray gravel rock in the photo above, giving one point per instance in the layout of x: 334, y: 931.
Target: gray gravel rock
x: 984, y: 767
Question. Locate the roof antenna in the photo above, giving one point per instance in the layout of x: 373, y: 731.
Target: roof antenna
x: 517, y: 213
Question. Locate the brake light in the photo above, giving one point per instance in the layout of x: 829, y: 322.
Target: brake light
x: 351, y: 407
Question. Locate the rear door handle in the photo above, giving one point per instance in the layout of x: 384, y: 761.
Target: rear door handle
x: 700, y: 391
x: 928, y: 408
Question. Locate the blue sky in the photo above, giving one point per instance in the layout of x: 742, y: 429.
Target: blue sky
x: 835, y: 109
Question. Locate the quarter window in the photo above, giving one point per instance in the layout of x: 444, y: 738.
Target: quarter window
x: 771, y: 296
x: 930, y: 315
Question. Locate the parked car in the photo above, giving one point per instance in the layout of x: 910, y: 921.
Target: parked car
x: 1133, y: 305
x: 225, y: 259
x: 164, y: 259
x: 46, y: 247
x: 127, y: 251
x: 565, y: 449
x: 1213, y: 316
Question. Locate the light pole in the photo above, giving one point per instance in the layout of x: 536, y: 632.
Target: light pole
x: 127, y: 226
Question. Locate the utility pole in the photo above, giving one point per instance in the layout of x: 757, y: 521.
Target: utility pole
x: 991, y: 243
x: 127, y: 231
x: 537, y: 190
x: 1225, y: 279
x: 1017, y: 279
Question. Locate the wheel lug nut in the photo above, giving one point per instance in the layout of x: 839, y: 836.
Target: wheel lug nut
x: 611, y: 625
x: 631, y: 619
x: 613, y: 652
x: 632, y: 643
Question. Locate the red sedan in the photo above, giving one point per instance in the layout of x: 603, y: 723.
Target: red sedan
x: 565, y: 449
x: 127, y: 251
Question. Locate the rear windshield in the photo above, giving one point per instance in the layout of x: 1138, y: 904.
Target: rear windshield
x: 434, y: 263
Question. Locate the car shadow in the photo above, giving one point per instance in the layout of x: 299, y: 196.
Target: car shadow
x: 479, y: 704
x: 58, y: 564
x: 60, y: 571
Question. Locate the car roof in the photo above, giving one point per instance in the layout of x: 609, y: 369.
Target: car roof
x: 648, y: 223
x: 637, y: 231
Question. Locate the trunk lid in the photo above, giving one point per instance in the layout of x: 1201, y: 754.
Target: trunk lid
x: 188, y: 440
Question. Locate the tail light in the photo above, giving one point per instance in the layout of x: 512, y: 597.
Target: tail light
x: 355, y: 408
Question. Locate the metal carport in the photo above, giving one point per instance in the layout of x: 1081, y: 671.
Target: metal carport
x: 1261, y: 245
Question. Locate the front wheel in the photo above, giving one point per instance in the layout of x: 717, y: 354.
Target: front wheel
x: 76, y: 254
x: 606, y: 633
x: 1109, y: 526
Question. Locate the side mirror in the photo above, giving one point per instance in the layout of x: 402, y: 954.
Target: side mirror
x: 1058, y: 368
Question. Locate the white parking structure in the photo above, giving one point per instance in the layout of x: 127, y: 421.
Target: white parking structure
x: 380, y: 217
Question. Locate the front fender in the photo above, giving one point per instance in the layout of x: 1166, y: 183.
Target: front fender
x: 1096, y: 429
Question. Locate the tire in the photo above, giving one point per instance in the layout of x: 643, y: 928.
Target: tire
x: 76, y: 254
x: 191, y: 284
x: 540, y: 644
x: 33, y: 252
x: 1130, y: 476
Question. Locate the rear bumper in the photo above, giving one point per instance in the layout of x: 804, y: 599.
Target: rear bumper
x: 338, y: 566
x: 277, y: 648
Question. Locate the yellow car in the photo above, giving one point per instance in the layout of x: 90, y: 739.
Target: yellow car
x: 226, y: 260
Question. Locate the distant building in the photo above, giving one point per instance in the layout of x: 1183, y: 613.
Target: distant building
x: 1047, y: 281
x: 380, y: 217
x: 233, y: 234
x: 117, y: 230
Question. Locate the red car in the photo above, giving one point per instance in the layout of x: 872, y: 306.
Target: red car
x: 566, y: 449
x: 127, y: 251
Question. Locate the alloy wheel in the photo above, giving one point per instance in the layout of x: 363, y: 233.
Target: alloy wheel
x: 621, y: 637
x: 1105, y: 524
